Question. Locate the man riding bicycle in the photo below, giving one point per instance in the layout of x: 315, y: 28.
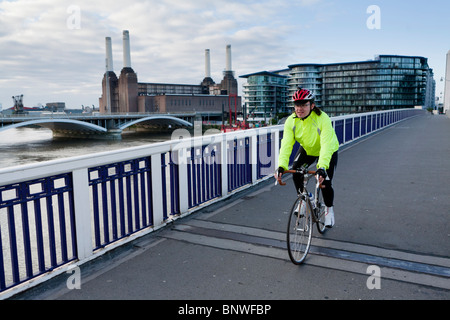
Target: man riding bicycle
x: 312, y: 128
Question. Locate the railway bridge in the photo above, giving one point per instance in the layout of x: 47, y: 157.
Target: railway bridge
x: 103, y: 126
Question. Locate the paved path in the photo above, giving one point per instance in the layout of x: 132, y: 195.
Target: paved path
x: 392, y: 210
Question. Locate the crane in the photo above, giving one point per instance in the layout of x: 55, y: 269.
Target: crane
x: 18, y: 104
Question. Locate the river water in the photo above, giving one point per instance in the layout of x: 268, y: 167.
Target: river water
x: 30, y: 145
x: 22, y: 146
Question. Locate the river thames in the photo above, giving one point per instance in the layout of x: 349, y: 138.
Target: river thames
x: 21, y: 146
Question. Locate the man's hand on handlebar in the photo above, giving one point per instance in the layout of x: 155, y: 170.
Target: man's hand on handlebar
x: 321, y: 174
x: 278, y: 173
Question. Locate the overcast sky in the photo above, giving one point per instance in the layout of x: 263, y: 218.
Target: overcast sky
x: 52, y: 51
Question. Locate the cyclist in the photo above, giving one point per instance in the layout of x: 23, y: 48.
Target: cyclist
x: 312, y: 128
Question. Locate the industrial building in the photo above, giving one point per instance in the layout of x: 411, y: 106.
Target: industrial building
x: 124, y: 94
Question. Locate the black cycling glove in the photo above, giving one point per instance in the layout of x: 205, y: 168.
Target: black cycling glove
x: 321, y: 172
x: 280, y: 170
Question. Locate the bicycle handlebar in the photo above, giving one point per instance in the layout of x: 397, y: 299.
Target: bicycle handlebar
x: 301, y: 170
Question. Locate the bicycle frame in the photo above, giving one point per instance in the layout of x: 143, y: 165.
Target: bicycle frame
x: 307, y: 175
x: 316, y: 205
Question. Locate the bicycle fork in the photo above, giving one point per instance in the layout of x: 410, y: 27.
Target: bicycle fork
x: 303, y: 213
x: 316, y: 207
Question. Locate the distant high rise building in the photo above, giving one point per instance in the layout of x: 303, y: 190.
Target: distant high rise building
x: 265, y: 95
x: 447, y: 87
x: 430, y: 93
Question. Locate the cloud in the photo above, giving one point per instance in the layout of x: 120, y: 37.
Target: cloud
x: 46, y: 56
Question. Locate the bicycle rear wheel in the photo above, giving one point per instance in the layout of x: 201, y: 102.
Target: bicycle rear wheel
x: 299, y: 231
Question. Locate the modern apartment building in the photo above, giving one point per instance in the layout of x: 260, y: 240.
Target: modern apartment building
x: 308, y: 76
x: 266, y: 95
x: 387, y: 82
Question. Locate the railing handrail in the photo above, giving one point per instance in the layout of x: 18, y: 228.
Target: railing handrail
x: 353, y: 115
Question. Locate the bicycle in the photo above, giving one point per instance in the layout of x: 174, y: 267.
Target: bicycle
x: 303, y: 214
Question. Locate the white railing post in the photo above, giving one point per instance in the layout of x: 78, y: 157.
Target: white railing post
x: 367, y: 124
x: 224, y: 165
x: 182, y: 180
x: 343, y: 131
x: 81, y: 199
x: 360, y: 126
x: 254, y: 154
x: 157, y: 196
x: 276, y: 145
x: 353, y: 129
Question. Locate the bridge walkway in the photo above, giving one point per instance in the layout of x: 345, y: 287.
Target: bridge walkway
x: 392, y: 210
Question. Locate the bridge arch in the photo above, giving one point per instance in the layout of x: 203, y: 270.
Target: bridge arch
x: 58, y: 124
x: 158, y: 120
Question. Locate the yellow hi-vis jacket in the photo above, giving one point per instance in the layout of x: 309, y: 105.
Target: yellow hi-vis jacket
x: 315, y: 134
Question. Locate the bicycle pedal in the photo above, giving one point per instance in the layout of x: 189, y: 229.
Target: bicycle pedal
x: 303, y: 230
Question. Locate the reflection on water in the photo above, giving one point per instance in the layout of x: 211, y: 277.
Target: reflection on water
x: 29, y: 145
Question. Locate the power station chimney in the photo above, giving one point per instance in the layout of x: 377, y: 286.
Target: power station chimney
x: 207, y: 64
x: 208, y: 81
x: 126, y: 49
x: 228, y: 67
x: 228, y: 86
x: 109, y: 83
x: 128, y: 85
x: 109, y: 60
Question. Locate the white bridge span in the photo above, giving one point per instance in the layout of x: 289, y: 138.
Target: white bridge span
x: 101, y: 126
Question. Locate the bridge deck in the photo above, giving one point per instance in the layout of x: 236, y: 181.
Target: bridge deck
x: 392, y: 210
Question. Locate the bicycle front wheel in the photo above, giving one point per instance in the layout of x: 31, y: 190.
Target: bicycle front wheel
x: 299, y: 231
x: 321, y: 214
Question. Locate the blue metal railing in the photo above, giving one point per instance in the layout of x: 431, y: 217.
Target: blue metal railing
x: 204, y: 178
x: 265, y: 152
x: 349, y: 128
x: 65, y: 211
x: 239, y: 166
x: 121, y: 199
x: 170, y: 194
x: 37, y: 226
